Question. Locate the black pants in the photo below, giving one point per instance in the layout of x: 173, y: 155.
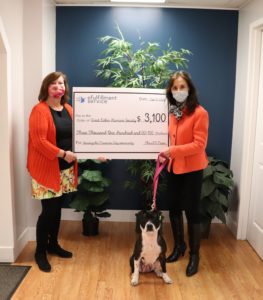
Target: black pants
x: 184, y: 192
x: 48, y: 223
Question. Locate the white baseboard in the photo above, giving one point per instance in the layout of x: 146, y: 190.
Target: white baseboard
x: 10, y: 254
x: 21, y: 242
x: 116, y: 215
x: 231, y: 224
x: 7, y: 254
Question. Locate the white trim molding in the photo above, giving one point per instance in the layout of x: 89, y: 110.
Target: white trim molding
x: 69, y: 214
x: 117, y: 215
x: 249, y: 126
x: 7, y: 221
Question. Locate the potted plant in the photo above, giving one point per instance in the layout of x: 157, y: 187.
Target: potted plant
x: 91, y: 197
x: 147, y: 67
x: 217, y: 186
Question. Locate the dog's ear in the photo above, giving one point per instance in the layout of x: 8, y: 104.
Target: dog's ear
x: 141, y: 214
x: 157, y: 215
x: 160, y: 216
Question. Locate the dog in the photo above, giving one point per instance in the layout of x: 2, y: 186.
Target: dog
x: 150, y: 248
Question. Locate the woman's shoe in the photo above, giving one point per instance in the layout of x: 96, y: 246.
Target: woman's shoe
x: 177, y: 226
x: 193, y: 264
x: 194, y: 245
x: 177, y: 252
x: 57, y: 250
x: 42, y: 262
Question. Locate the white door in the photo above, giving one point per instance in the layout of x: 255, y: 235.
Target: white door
x: 255, y: 221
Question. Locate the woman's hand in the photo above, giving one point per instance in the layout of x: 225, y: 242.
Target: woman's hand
x: 69, y: 156
x: 102, y: 159
x: 164, y: 154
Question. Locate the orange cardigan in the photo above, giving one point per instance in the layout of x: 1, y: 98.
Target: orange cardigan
x: 188, y: 140
x: 42, y: 160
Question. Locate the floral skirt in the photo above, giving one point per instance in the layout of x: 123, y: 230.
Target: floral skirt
x: 41, y: 192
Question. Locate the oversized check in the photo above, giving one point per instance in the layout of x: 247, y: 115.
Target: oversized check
x: 121, y: 123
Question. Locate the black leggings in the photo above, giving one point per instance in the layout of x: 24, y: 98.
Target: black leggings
x: 48, y: 222
x: 184, y: 192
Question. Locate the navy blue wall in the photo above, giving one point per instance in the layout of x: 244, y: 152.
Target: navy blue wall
x: 211, y: 35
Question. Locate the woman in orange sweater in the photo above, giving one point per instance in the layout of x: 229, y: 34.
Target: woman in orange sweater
x: 188, y: 133
x: 51, y: 163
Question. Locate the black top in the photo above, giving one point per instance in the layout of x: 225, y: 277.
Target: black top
x: 63, y: 124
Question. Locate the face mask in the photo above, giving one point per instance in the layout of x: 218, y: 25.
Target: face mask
x: 59, y: 94
x: 180, y: 96
x: 56, y: 93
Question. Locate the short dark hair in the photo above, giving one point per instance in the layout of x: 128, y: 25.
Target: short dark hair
x: 43, y: 93
x: 191, y: 101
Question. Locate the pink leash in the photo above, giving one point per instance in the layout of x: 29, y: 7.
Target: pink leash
x: 158, y: 170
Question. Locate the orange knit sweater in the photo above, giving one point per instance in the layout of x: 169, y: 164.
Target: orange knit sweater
x: 188, y: 140
x: 42, y: 160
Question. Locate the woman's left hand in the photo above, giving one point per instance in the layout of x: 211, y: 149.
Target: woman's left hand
x: 165, y: 153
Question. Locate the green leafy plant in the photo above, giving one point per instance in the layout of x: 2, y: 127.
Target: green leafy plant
x: 217, y: 186
x: 92, y: 196
x: 149, y: 66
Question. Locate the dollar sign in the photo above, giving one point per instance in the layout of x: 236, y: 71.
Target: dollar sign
x: 138, y: 119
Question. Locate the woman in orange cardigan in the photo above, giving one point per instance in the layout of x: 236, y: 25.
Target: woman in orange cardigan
x: 188, y: 133
x: 51, y: 163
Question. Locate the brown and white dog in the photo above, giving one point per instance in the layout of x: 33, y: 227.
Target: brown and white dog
x: 150, y: 248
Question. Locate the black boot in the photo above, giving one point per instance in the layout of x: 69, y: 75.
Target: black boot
x: 53, y: 246
x: 41, y: 239
x: 194, y: 244
x: 57, y: 250
x: 178, y: 234
x: 42, y: 262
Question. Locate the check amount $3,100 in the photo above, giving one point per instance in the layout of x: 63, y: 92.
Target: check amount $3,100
x: 152, y: 118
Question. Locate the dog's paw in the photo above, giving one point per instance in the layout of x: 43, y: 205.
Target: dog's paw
x: 158, y: 273
x: 167, y: 279
x: 134, y: 280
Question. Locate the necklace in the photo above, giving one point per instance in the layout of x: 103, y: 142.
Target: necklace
x: 56, y: 108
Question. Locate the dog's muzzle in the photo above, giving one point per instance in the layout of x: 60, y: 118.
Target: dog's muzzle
x: 149, y: 227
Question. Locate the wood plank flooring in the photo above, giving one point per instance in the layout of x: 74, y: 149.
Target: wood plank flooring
x: 229, y: 269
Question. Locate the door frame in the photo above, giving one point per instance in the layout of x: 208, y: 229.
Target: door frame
x: 7, y: 220
x: 251, y: 104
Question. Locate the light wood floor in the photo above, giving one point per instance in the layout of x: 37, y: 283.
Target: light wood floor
x: 229, y: 269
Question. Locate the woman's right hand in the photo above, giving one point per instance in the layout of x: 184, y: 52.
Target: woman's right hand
x: 102, y: 159
x: 70, y: 157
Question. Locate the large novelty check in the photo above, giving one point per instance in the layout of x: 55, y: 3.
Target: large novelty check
x: 121, y: 123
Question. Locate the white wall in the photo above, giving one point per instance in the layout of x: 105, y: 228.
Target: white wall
x: 29, y: 29
x: 39, y: 60
x: 6, y: 186
x: 11, y: 14
x: 238, y: 215
x: 32, y: 78
x: 48, y: 37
